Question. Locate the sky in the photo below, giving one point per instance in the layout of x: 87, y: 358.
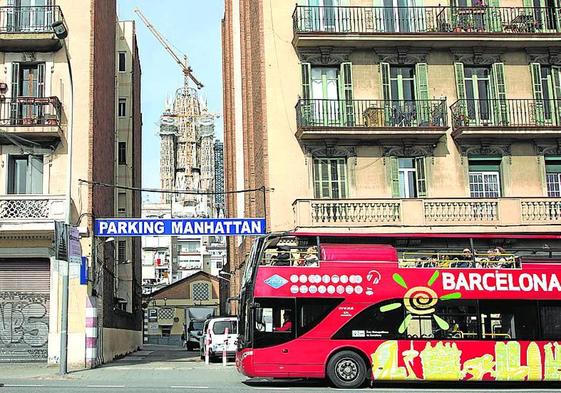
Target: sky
x: 193, y: 27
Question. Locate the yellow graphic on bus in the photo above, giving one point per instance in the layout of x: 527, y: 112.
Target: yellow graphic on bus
x: 418, y: 301
x: 443, y: 362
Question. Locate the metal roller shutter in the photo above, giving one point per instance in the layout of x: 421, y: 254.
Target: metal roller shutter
x: 24, y: 310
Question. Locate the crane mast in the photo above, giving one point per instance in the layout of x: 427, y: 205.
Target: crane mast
x: 187, y: 70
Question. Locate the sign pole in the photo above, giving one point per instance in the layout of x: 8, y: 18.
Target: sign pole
x: 224, y: 346
x: 207, y: 344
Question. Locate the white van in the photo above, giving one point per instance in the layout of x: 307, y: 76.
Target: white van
x: 217, y: 328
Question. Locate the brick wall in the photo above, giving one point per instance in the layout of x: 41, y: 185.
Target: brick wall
x: 254, y: 120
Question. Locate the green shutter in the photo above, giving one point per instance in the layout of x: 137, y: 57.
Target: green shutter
x: 461, y: 88
x: 422, y: 94
x: 493, y: 16
x: 500, y: 103
x: 421, y: 172
x: 306, y: 107
x: 535, y: 68
x: 15, y: 91
x: 346, y: 93
x: 35, y: 175
x: 394, y: 176
x: 386, y: 92
x: 556, y: 79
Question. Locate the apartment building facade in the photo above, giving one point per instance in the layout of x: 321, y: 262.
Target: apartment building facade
x: 36, y: 104
x: 394, y: 117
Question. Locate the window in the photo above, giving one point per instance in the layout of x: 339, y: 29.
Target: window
x: 219, y: 327
x: 122, y: 107
x: 122, y: 153
x: 330, y: 178
x: 478, y: 91
x: 273, y: 322
x: 312, y: 311
x: 553, y: 176
x: 412, y: 180
x: 482, y: 95
x: 25, y: 174
x: 200, y: 291
x: 122, y: 61
x: 122, y: 202
x: 484, y: 177
x: 122, y: 251
x: 508, y: 320
x: 550, y: 318
x: 372, y: 323
x: 30, y: 15
x: 492, y: 320
x: 451, y: 320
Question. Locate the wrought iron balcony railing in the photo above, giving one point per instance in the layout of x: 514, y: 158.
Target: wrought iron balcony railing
x: 29, y: 19
x: 371, y: 113
x: 506, y: 113
x: 440, y: 19
x: 30, y: 111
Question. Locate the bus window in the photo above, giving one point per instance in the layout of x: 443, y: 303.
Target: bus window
x: 550, y: 314
x: 372, y: 323
x: 274, y: 320
x: 455, y: 319
x: 507, y: 319
x: 312, y: 311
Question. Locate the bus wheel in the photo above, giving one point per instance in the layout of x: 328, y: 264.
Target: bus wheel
x: 346, y: 369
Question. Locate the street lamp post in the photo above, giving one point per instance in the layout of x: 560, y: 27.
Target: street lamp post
x: 61, y: 32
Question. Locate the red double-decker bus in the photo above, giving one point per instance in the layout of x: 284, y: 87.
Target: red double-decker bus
x: 355, y: 312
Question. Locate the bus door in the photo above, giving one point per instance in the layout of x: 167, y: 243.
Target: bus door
x: 273, y: 326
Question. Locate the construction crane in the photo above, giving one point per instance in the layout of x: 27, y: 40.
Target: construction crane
x: 187, y: 70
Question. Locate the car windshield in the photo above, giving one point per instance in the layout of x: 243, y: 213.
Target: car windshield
x: 197, y: 325
x: 219, y: 327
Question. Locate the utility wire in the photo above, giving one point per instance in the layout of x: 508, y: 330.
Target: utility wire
x: 178, y: 192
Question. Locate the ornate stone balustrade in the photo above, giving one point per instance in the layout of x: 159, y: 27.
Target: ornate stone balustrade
x: 426, y: 215
x: 27, y: 208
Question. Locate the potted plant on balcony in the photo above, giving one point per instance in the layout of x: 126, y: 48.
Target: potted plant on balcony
x: 51, y: 120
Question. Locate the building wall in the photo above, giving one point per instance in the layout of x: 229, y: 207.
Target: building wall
x: 263, y: 82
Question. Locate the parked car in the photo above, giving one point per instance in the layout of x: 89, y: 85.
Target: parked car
x: 218, y: 339
x: 194, y: 333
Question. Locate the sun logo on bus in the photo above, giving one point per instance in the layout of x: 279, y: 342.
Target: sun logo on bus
x: 420, y: 300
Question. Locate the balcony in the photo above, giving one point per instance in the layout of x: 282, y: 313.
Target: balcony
x: 426, y: 120
x: 437, y: 26
x: 30, y: 213
x: 25, y: 29
x: 34, y: 118
x: 505, y: 118
x: 454, y: 215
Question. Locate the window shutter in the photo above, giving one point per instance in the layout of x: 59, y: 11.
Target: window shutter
x: 394, y: 176
x: 461, y: 87
x: 535, y: 69
x: 15, y: 92
x: 385, y: 75
x: 422, y: 94
x: 386, y: 91
x: 41, y: 80
x: 493, y: 16
x: 420, y: 169
x: 306, y: 107
x: 35, y: 176
x: 10, y: 16
x: 500, y: 104
x: 346, y: 93
x: 556, y: 79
